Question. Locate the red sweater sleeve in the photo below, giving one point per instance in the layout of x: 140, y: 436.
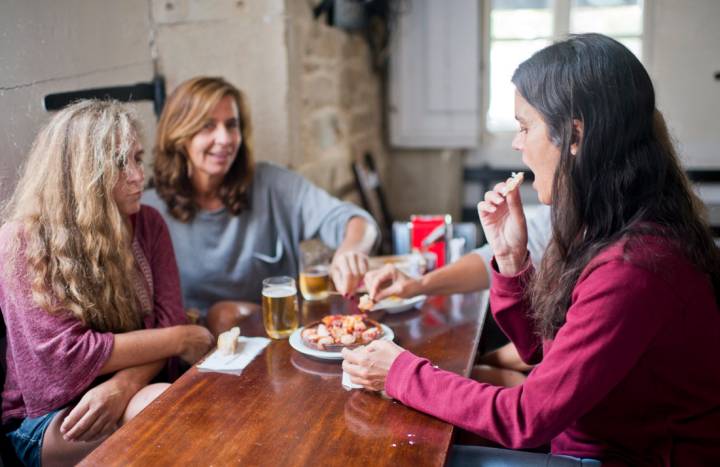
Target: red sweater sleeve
x: 608, y: 327
x: 159, y: 251
x: 510, y: 308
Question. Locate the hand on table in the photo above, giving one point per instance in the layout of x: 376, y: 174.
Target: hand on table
x: 98, y: 413
x: 390, y: 281
x: 369, y: 365
x: 196, y: 341
x: 347, y: 270
x: 503, y: 221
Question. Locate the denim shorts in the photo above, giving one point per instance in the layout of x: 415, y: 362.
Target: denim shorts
x: 27, y: 439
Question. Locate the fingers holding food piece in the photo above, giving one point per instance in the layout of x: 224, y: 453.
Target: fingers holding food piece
x: 366, y: 303
x: 513, y: 182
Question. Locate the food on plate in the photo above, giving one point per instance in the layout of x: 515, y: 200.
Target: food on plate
x: 513, y: 182
x: 228, y: 341
x: 334, y: 332
x: 366, y: 303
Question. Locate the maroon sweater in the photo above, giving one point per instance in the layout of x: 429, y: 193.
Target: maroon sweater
x: 632, y: 377
x: 53, y: 359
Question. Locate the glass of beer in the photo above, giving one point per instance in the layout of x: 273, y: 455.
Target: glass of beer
x: 315, y: 282
x: 314, y: 274
x: 280, y: 306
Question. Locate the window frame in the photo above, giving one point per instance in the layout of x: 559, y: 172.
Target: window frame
x: 496, y: 140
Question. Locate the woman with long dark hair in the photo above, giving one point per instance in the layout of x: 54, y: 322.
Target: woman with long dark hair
x: 622, y: 315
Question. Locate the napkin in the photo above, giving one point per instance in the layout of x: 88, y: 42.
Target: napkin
x: 248, y: 348
x: 347, y: 384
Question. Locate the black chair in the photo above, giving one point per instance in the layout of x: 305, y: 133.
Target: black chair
x: 150, y: 91
x: 372, y: 197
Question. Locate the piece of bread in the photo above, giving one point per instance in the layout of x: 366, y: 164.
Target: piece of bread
x: 366, y: 303
x: 513, y: 182
x: 228, y: 341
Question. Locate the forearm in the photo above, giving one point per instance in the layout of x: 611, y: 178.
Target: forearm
x: 136, y: 348
x: 137, y: 377
x: 468, y: 274
x: 360, y: 236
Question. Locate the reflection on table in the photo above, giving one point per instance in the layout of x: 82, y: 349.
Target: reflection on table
x: 289, y: 409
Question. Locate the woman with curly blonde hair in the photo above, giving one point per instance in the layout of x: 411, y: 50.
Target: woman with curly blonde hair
x: 90, y: 291
x: 248, y: 218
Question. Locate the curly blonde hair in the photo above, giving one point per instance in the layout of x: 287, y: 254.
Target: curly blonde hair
x: 68, y: 222
x: 186, y: 112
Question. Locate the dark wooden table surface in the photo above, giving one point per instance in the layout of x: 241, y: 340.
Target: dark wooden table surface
x: 288, y: 409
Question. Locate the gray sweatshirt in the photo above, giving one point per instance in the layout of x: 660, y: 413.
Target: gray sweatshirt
x: 226, y: 257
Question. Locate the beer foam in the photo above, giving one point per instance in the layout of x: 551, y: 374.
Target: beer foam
x: 315, y: 273
x: 280, y: 291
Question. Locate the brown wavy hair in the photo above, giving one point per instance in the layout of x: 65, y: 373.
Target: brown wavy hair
x: 68, y: 222
x: 625, y: 181
x: 185, y: 113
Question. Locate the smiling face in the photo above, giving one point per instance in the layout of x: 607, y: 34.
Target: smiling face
x: 129, y: 187
x: 213, y: 149
x: 538, y: 152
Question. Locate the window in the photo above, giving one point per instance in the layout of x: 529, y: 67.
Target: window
x: 518, y: 28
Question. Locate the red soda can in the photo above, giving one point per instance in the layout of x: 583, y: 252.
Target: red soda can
x: 430, y: 234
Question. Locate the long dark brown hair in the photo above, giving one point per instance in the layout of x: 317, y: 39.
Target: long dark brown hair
x: 183, y: 116
x: 625, y: 179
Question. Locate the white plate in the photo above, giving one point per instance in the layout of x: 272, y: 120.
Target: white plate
x: 397, y: 306
x: 297, y: 344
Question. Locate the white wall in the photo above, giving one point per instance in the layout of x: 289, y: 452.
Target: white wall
x: 684, y: 56
x: 50, y: 46
x: 243, y: 41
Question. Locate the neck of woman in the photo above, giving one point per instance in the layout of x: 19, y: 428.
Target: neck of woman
x: 206, y: 192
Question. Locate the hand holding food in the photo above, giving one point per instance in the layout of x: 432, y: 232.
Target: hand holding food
x: 389, y: 281
x: 347, y: 270
x: 503, y: 221
x: 515, y: 180
x: 369, y: 365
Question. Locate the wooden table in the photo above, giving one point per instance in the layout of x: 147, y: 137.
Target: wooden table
x: 288, y: 409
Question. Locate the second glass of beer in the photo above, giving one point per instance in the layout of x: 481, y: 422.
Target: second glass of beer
x: 314, y: 278
x: 280, y: 306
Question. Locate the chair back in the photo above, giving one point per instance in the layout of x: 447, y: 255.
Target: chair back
x: 372, y: 197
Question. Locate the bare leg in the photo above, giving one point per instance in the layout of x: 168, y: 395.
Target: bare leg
x: 222, y: 316
x: 58, y: 452
x: 506, y: 356
x: 497, y: 376
x: 142, y: 399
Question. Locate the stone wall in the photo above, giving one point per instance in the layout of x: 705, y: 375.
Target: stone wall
x: 335, y: 100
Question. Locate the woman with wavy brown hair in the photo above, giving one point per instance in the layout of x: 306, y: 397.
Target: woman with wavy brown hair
x: 622, y: 317
x: 89, y: 291
x: 235, y: 222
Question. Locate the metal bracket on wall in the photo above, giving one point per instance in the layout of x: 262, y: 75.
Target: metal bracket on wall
x: 151, y: 91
